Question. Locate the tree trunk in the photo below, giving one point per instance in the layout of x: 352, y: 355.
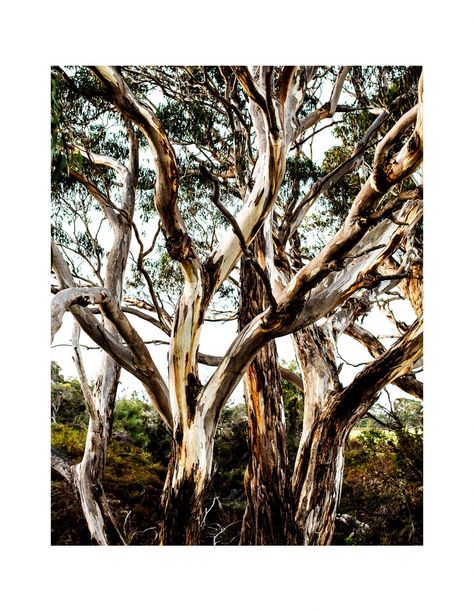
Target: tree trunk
x: 89, y: 473
x: 268, y: 516
x: 319, y: 463
x: 317, y: 480
x: 187, y: 480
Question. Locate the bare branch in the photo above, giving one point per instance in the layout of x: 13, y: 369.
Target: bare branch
x: 250, y: 87
x: 395, y: 362
x: 178, y: 242
x: 66, y: 298
x: 293, y: 221
x: 330, y: 108
x: 407, y: 383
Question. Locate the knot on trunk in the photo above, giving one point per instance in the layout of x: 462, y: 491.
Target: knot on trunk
x: 380, y: 181
x: 179, y: 246
x: 193, y: 388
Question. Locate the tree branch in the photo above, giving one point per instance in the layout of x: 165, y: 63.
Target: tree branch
x: 66, y: 298
x: 395, y: 362
x: 293, y: 221
x: 330, y: 108
x: 407, y: 383
x: 248, y: 255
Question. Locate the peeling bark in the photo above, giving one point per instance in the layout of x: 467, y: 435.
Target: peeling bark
x: 319, y: 467
x: 186, y: 483
x: 268, y: 518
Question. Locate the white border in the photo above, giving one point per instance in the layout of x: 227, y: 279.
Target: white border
x: 433, y: 576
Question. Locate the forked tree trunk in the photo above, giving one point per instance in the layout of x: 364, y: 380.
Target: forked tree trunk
x: 88, y: 475
x: 319, y: 465
x: 268, y: 518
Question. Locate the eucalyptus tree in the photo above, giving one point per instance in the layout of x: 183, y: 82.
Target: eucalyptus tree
x: 225, y: 166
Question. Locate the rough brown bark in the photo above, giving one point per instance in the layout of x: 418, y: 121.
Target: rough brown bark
x: 320, y: 462
x: 268, y: 518
x: 317, y: 479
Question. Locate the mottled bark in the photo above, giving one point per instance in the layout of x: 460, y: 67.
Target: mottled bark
x: 317, y: 478
x: 349, y: 264
x: 407, y: 383
x: 88, y: 475
x: 268, y: 518
x: 320, y: 462
x: 188, y: 477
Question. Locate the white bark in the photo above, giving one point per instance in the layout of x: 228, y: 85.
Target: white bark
x: 66, y: 298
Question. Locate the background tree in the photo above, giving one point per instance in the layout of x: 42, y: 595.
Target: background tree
x: 216, y: 147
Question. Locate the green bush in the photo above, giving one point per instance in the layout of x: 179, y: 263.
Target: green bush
x: 67, y: 401
x: 383, y: 488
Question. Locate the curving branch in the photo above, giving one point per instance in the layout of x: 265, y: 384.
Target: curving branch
x: 135, y: 362
x: 104, y: 202
x: 296, y: 312
x: 251, y: 88
x: 293, y: 221
x: 66, y: 298
x: 246, y: 252
x: 407, y: 383
x: 394, y: 363
x: 178, y: 242
x: 102, y: 160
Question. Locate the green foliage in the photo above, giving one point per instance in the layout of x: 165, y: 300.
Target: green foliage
x: 58, y: 140
x: 69, y: 439
x: 142, y: 426
x: 403, y: 414
x: 67, y: 401
x: 383, y: 488
x: 56, y: 375
x: 133, y: 481
x: 383, y: 479
x: 300, y: 173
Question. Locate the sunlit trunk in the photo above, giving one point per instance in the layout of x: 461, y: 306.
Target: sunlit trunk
x: 189, y: 472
